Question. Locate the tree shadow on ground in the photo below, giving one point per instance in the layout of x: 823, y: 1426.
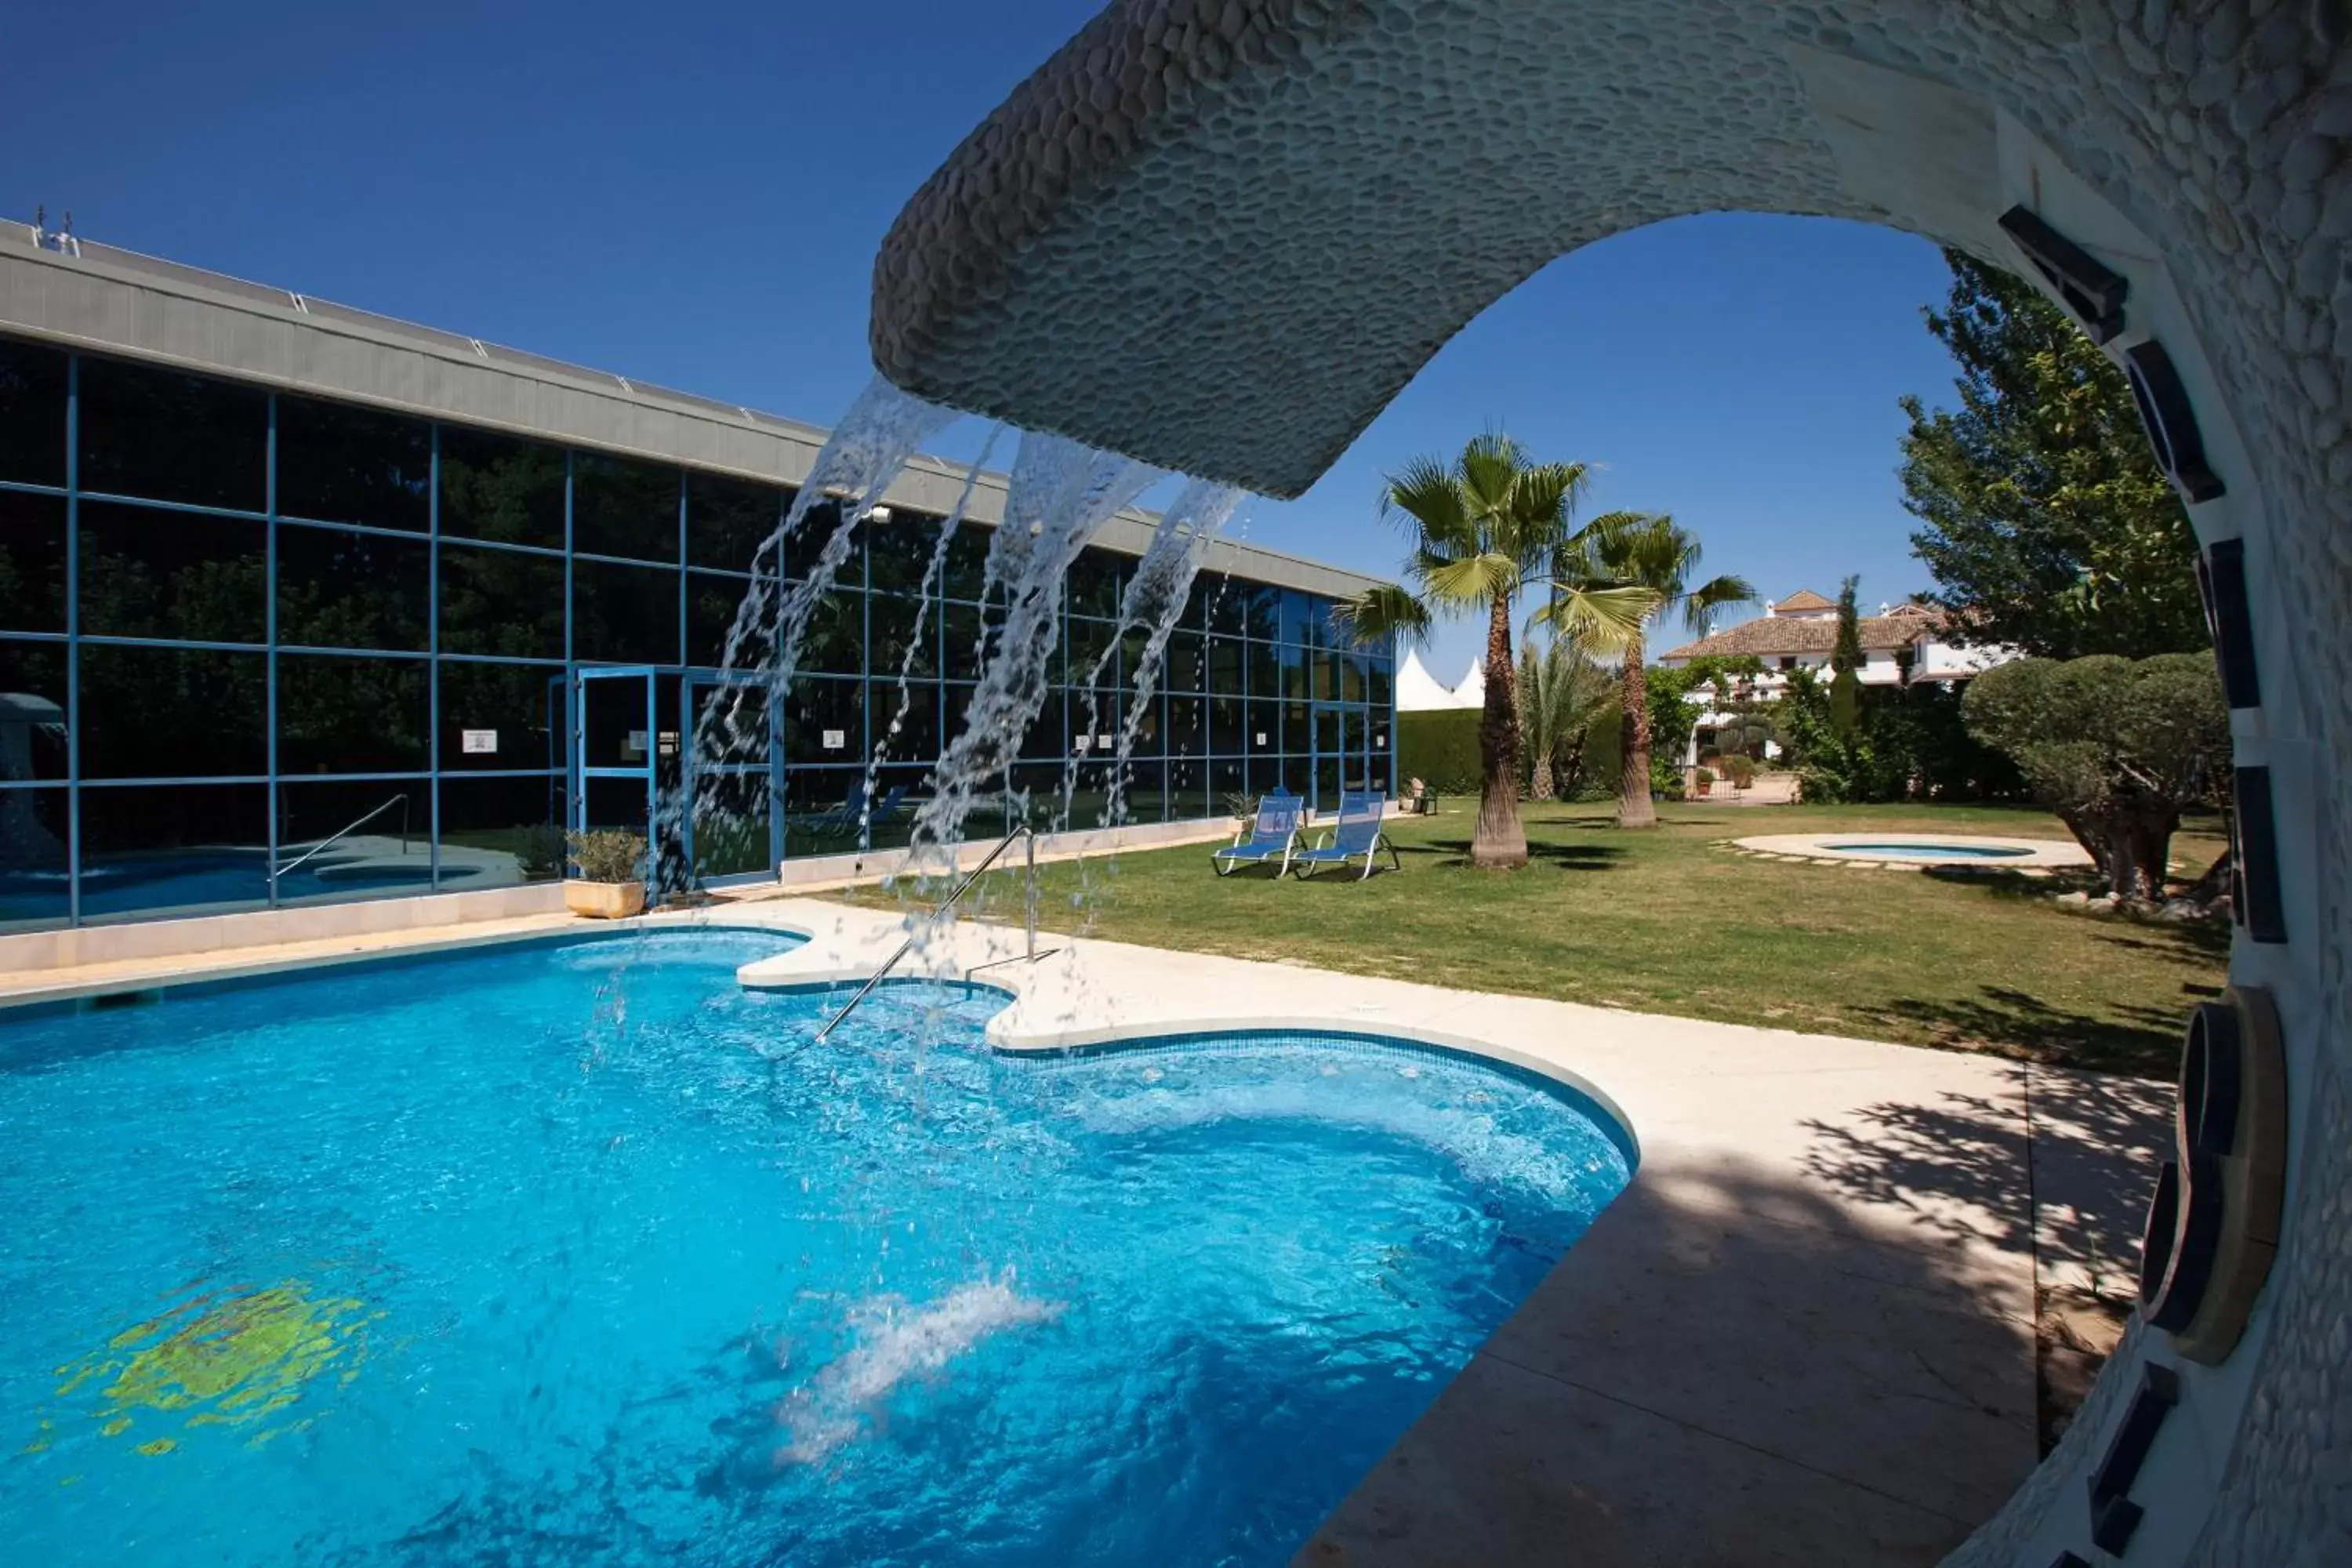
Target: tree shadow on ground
x: 2143, y: 1040
x: 1735, y: 1363
x: 1567, y: 856
x: 1954, y: 1167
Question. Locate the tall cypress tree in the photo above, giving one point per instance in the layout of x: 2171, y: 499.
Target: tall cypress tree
x: 2048, y: 524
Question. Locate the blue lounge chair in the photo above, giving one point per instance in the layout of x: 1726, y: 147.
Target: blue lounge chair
x: 1273, y: 833
x: 1356, y: 835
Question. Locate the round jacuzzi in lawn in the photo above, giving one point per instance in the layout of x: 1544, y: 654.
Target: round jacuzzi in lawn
x: 1920, y: 849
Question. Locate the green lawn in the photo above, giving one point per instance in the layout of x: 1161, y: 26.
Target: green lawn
x: 1669, y: 922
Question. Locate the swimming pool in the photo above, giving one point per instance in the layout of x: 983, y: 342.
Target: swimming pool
x: 579, y: 1254
x: 1953, y: 850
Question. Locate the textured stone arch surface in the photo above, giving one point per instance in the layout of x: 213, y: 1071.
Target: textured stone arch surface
x: 1221, y: 233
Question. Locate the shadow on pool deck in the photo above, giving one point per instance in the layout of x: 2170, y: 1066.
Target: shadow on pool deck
x: 1883, y: 1396
x: 1878, y: 1400
x: 2143, y: 1038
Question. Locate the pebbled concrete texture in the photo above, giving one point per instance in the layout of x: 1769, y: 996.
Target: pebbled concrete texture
x: 1221, y: 233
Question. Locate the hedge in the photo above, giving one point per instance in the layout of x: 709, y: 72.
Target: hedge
x: 1439, y: 747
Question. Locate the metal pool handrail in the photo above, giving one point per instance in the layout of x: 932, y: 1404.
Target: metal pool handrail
x: 1029, y: 923
x: 400, y: 800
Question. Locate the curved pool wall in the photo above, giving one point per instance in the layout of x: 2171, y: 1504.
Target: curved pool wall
x: 1905, y: 851
x: 1163, y: 1299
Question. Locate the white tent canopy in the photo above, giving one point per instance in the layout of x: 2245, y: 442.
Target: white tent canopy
x: 1418, y: 691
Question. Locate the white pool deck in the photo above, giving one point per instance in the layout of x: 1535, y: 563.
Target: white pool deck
x: 2031, y: 855
x: 1804, y: 1334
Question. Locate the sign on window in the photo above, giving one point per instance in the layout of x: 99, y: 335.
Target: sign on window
x: 478, y: 742
x: 834, y: 740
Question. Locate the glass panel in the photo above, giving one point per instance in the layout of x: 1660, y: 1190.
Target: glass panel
x: 1294, y: 680
x: 161, y: 435
x: 898, y: 793
x: 1297, y: 729
x: 1297, y: 615
x: 1267, y: 774
x: 495, y: 832
x: 1383, y: 682
x: 1265, y: 670
x: 1225, y: 716
x: 496, y: 488
x: 351, y: 590
x: 967, y: 567
x: 1149, y: 741
x: 1262, y: 733
x: 1088, y: 642
x: 147, y: 574
x: 33, y: 862
x: 1090, y: 722
x: 835, y: 641
x: 1187, y: 663
x: 389, y: 852
x: 1186, y: 730
x: 174, y: 847
x: 1228, y: 787
x: 1196, y: 606
x: 351, y: 715
x: 728, y: 518
x: 1088, y: 801
x: 1095, y: 580
x: 907, y: 727
x: 624, y: 508
x: 964, y: 655
x: 32, y: 414
x: 618, y: 731
x: 32, y: 711
x: 824, y: 721
x: 808, y: 541
x: 1132, y: 644
x: 503, y: 601
x: 898, y: 626
x: 1143, y: 792
x: 1353, y: 676
x: 740, y: 709
x: 1225, y: 668
x: 161, y: 712
x: 731, y: 826
x: 341, y: 464
x: 1261, y: 612
x: 899, y: 551
x: 1326, y: 668
x: 626, y: 614
x: 711, y: 603
x: 1188, y: 789
x: 822, y: 808
x: 497, y: 716
x: 617, y: 803
x: 32, y: 562
x: 1228, y: 603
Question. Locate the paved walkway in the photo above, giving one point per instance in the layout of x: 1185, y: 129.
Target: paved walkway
x: 1804, y: 1333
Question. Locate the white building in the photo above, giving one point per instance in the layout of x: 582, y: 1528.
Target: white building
x: 1902, y: 642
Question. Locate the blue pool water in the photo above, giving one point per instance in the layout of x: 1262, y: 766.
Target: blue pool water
x: 580, y: 1255
x: 1904, y: 851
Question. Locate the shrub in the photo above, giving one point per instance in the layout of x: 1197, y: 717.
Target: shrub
x: 1441, y: 746
x: 539, y: 851
x: 607, y: 854
x: 1739, y: 770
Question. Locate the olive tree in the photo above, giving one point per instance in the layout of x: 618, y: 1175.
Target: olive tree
x: 2116, y: 747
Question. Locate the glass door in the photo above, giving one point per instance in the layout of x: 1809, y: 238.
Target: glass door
x: 734, y: 825
x: 614, y: 743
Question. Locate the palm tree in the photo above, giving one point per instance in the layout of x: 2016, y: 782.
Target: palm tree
x: 1485, y: 527
x: 1562, y: 690
x: 1644, y: 551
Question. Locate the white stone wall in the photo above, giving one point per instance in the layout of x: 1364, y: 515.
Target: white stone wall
x: 1220, y: 234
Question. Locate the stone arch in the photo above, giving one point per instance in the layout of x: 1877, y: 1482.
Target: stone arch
x: 1221, y: 233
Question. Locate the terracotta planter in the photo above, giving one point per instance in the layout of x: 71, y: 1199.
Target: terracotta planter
x: 605, y: 900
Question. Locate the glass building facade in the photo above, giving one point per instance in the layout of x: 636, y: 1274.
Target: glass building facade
x: 236, y: 623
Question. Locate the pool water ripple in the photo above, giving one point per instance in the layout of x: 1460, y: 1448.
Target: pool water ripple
x: 564, y: 1255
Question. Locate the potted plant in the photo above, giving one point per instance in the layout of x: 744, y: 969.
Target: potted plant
x: 1739, y: 770
x: 609, y: 884
x: 1702, y: 780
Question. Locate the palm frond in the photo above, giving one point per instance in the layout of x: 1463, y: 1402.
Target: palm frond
x: 1700, y: 603
x: 1602, y: 619
x: 1378, y: 612
x: 1473, y: 582
x: 1424, y: 499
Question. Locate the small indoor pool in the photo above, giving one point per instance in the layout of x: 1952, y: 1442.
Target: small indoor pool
x: 581, y: 1254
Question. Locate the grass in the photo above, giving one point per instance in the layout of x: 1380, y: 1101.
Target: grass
x: 1669, y: 922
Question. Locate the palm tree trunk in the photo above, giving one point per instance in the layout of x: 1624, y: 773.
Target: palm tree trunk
x: 1540, y: 785
x: 1500, y: 843
x: 1634, y: 807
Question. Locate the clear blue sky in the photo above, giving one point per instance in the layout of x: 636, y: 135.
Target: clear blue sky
x: 692, y: 192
